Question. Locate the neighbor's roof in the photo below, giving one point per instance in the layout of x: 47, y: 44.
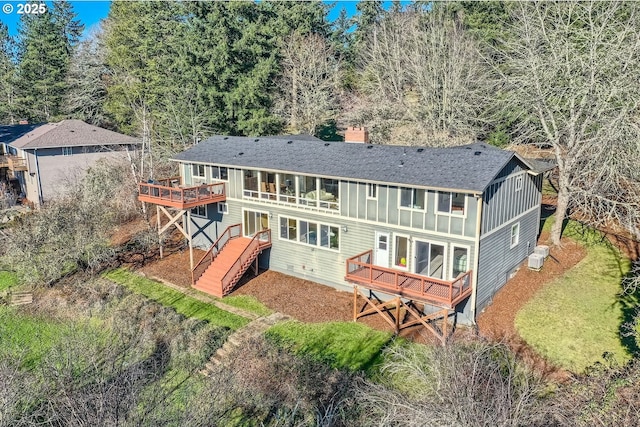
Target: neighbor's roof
x: 468, y: 168
x: 67, y: 133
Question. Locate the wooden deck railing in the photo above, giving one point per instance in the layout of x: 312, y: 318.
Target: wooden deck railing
x: 168, y: 192
x: 231, y: 232
x: 361, y: 270
x: 261, y: 240
x: 14, y: 163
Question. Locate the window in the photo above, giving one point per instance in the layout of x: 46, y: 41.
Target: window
x: 451, y: 203
x: 67, y: 151
x: 411, y: 198
x: 515, y: 234
x: 199, y: 211
x: 519, y: 181
x: 219, y: 172
x: 460, y: 261
x: 198, y: 171
x: 401, y: 251
x: 328, y: 193
x: 309, y: 233
x: 223, y: 208
x: 251, y: 183
x: 372, y: 191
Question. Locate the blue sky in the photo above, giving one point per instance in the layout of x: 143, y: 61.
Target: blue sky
x: 90, y: 12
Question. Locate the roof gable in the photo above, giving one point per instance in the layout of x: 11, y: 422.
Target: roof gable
x: 67, y: 133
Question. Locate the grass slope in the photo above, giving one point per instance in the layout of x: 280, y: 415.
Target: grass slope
x: 341, y: 344
x: 27, y: 338
x: 183, y: 304
x: 7, y: 280
x: 248, y: 303
x: 574, y: 320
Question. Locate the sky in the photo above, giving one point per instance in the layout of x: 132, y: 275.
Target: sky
x: 90, y: 12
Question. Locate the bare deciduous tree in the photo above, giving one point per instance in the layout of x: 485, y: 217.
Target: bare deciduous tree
x: 572, y: 71
x: 308, y: 84
x: 423, y: 80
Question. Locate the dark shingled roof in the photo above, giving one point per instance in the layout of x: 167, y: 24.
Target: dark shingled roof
x: 467, y: 168
x: 67, y: 133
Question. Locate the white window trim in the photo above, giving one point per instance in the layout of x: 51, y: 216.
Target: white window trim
x: 393, y: 251
x: 517, y: 236
x: 445, y: 255
x: 307, y: 245
x: 451, y: 211
x: 223, y: 208
x: 219, y: 179
x: 452, y: 257
x: 195, y: 166
x: 519, y: 183
x: 412, y: 207
x: 370, y: 186
x: 206, y: 211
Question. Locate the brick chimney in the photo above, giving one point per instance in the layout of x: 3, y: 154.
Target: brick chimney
x: 357, y: 135
x: 23, y: 122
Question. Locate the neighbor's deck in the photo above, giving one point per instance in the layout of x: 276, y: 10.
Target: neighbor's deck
x: 360, y: 270
x: 169, y: 192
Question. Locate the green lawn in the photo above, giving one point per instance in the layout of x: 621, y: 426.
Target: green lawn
x: 248, y: 303
x: 341, y: 344
x: 7, y: 280
x: 27, y: 338
x: 183, y: 304
x: 576, y: 318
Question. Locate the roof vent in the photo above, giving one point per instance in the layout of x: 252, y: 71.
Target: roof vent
x: 256, y: 140
x: 477, y: 153
x: 289, y: 142
x: 93, y: 130
x: 240, y: 153
x: 420, y: 150
x: 225, y: 138
x: 401, y: 163
x: 72, y: 130
x: 467, y: 148
x: 369, y: 146
x: 326, y: 144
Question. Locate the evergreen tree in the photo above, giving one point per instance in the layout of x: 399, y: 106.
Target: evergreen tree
x: 44, y: 50
x: 7, y: 77
x: 369, y: 13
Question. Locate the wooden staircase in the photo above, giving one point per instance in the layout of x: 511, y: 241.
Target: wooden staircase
x: 225, y: 263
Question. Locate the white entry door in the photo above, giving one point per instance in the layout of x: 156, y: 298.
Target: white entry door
x: 382, y: 249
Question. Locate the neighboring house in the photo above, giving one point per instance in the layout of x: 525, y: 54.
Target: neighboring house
x: 39, y: 159
x: 441, y: 226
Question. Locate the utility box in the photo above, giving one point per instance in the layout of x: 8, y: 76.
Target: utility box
x: 536, y: 261
x: 541, y: 250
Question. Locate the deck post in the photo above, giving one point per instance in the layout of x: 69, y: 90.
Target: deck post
x: 189, y: 237
x: 398, y: 304
x: 159, y: 228
x: 355, y: 303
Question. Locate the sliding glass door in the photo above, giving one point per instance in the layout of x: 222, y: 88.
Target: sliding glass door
x: 429, y: 259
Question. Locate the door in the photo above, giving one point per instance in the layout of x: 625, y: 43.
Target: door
x: 429, y: 259
x: 382, y: 249
x: 254, y: 222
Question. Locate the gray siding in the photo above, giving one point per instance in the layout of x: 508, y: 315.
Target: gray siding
x: 314, y: 263
x: 502, y: 202
x: 497, y: 260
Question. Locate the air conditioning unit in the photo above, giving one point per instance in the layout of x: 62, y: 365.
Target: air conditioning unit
x: 536, y: 261
x: 541, y: 250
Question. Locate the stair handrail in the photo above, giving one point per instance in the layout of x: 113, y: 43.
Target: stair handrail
x: 259, y: 241
x: 229, y: 233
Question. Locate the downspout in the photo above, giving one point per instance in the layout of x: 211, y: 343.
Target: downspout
x: 35, y: 154
x: 474, y: 280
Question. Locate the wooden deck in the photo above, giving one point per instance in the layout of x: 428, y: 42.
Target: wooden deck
x: 14, y: 163
x: 169, y: 192
x: 361, y: 271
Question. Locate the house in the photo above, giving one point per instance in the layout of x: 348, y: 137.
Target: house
x: 38, y: 159
x: 420, y: 233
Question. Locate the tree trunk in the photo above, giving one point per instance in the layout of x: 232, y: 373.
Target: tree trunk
x: 561, y: 209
